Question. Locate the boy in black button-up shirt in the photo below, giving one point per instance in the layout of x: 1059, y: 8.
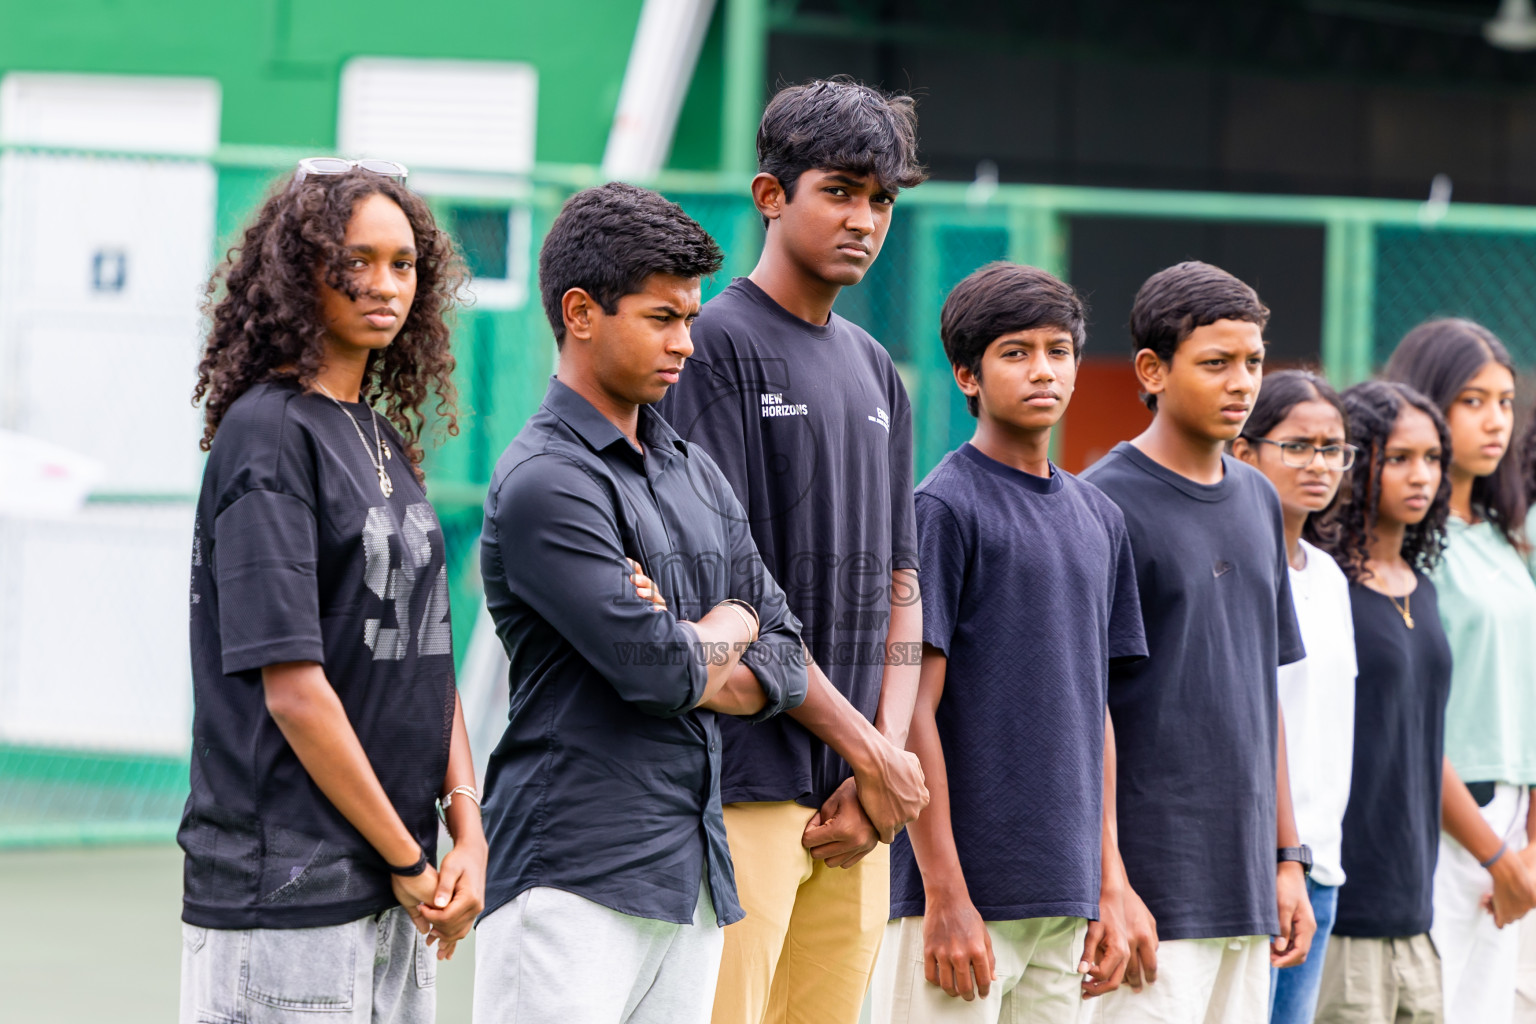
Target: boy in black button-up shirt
x: 603, y: 797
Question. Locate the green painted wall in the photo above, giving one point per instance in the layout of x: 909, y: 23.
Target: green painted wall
x: 279, y: 61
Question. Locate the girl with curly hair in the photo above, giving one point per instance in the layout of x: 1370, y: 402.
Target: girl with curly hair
x: 1487, y: 605
x: 326, y: 726
x: 1381, y: 964
x: 1297, y: 437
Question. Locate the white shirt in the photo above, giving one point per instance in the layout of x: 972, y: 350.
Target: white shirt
x: 1317, y: 695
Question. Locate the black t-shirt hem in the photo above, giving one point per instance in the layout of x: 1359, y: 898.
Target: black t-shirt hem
x: 241, y: 918
x: 1381, y: 929
x: 274, y: 652
x: 1018, y: 912
x: 1217, y: 930
x: 500, y: 894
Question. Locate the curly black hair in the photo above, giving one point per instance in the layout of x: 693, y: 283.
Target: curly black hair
x: 1373, y: 409
x: 264, y: 305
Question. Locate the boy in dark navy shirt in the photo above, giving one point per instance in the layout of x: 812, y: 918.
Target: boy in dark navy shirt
x: 1029, y: 595
x: 807, y: 417
x: 1204, y: 804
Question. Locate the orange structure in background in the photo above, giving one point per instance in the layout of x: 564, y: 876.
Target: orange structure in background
x: 1106, y: 409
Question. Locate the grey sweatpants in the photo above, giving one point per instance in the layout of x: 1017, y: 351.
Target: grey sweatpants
x: 377, y: 970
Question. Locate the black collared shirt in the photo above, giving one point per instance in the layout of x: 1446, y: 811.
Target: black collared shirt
x: 607, y: 781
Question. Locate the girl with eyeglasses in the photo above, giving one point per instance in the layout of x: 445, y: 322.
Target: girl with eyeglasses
x: 1488, y: 607
x: 1382, y: 967
x: 326, y: 728
x: 1296, y: 436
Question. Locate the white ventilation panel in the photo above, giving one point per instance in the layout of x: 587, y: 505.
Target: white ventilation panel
x: 121, y: 113
x: 441, y: 114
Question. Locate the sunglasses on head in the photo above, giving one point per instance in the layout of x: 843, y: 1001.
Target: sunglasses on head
x: 337, y: 165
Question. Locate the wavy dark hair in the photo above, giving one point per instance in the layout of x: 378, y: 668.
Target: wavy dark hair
x: 1528, y: 460
x: 1438, y: 358
x: 1282, y: 392
x: 264, y: 306
x: 1372, y: 411
x: 839, y: 124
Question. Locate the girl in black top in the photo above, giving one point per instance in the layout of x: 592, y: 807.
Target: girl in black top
x: 326, y: 723
x: 1381, y: 964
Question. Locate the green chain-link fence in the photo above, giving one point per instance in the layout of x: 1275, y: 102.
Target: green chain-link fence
x: 1385, y: 267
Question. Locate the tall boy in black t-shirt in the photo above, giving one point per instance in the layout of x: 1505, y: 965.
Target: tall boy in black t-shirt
x: 806, y: 415
x: 1204, y: 801
x: 1029, y: 595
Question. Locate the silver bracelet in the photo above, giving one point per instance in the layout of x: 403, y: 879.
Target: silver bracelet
x: 446, y: 801
x: 752, y: 622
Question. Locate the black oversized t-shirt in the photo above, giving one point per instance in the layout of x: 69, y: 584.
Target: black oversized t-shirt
x: 298, y: 556
x: 1029, y: 590
x: 1196, y: 724
x: 1392, y: 822
x: 812, y: 428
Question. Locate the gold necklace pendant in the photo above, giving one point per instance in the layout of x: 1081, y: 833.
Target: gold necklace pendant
x: 1403, y: 611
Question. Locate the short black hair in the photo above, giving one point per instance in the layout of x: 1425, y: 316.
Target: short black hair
x: 1173, y: 303
x: 607, y: 240
x: 838, y: 124
x: 999, y: 299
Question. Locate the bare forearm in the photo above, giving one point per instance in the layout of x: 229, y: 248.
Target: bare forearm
x: 828, y: 716
x: 723, y: 636
x: 463, y: 815
x: 1112, y: 868
x: 932, y: 834
x: 1285, y: 817
x: 742, y: 694
x: 1462, y: 818
x: 903, y: 645
x: 313, y: 721
x: 933, y: 837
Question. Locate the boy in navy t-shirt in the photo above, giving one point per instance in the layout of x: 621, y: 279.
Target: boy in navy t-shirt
x: 807, y: 418
x: 1204, y: 802
x: 1029, y: 595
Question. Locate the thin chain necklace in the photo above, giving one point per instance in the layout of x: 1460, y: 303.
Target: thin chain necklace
x: 378, y: 451
x: 1403, y: 608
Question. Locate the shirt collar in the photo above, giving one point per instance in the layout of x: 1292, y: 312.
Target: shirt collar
x: 599, y: 432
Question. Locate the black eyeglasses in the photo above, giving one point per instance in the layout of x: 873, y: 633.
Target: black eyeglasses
x: 1299, y: 454
x: 337, y: 165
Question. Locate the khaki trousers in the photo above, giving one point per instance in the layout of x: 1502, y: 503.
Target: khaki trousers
x: 1037, y: 979
x: 1199, y: 981
x: 805, y: 950
x: 1381, y: 981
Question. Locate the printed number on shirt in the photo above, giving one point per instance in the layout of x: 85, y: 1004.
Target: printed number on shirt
x: 396, y: 583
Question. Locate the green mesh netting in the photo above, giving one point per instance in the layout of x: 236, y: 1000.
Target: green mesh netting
x: 1486, y: 276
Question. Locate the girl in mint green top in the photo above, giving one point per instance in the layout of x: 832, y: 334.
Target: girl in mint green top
x: 1488, y: 608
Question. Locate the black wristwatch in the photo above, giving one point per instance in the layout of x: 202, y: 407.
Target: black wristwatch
x: 1298, y: 854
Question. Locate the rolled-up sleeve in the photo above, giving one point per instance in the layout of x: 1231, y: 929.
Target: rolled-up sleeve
x: 777, y: 658
x: 563, y: 555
